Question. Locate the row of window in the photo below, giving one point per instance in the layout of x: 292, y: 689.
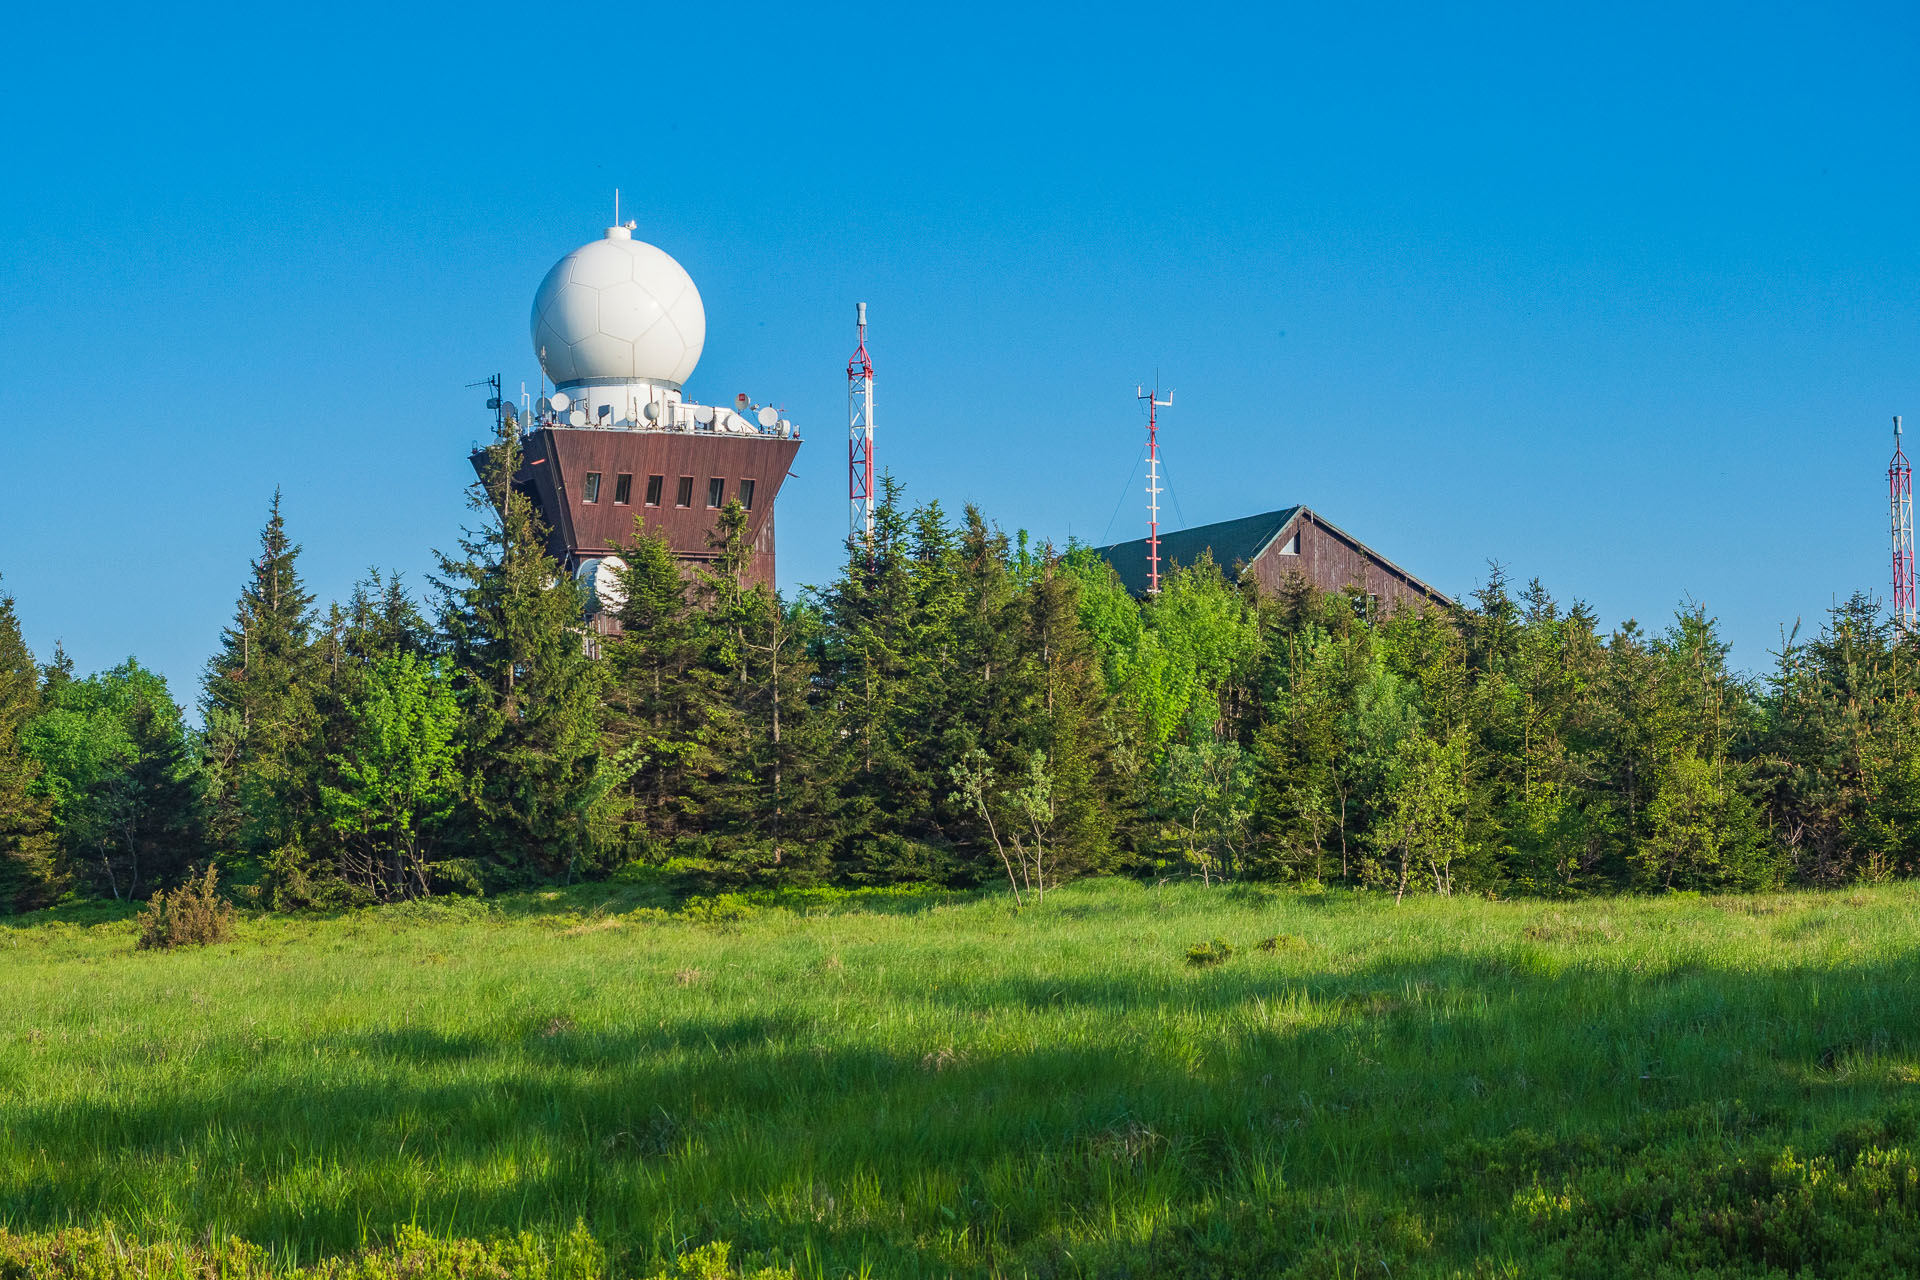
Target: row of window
x: 656, y: 485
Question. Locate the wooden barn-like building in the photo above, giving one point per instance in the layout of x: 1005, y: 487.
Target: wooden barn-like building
x: 1274, y: 547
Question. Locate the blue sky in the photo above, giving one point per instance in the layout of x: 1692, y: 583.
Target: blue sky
x: 1621, y: 297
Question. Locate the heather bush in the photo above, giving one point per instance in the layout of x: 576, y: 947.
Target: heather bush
x: 192, y: 915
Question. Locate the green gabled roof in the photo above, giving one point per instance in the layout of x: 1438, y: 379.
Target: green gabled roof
x: 1232, y: 542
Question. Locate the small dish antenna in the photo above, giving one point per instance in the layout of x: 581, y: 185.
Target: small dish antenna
x: 560, y: 401
x: 652, y: 411
x: 768, y: 416
x: 703, y: 414
x: 740, y: 402
x: 577, y: 418
x: 543, y: 407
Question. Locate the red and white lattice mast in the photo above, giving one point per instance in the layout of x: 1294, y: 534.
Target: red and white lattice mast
x: 1154, y: 405
x: 860, y: 435
x: 1900, y: 499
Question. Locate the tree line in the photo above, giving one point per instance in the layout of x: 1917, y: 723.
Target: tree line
x: 958, y: 707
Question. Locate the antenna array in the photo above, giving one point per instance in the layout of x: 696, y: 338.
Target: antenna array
x: 1900, y: 500
x: 860, y: 436
x: 1154, y: 405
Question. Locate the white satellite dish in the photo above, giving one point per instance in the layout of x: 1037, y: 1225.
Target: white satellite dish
x: 703, y: 414
x: 560, y: 401
x: 578, y: 418
x: 768, y: 415
x: 543, y: 406
x: 601, y: 578
x: 652, y: 411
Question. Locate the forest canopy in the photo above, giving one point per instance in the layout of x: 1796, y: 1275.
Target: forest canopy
x: 957, y: 707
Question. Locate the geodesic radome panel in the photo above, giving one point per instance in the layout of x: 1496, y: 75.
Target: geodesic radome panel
x: 618, y: 310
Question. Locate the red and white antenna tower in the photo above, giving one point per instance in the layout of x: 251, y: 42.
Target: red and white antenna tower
x: 860, y: 435
x: 1154, y: 405
x: 1900, y: 498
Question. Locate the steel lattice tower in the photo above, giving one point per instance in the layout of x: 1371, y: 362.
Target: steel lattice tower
x: 860, y: 435
x: 1900, y: 500
x: 1154, y: 405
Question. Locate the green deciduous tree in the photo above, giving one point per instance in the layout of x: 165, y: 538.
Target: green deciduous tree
x: 398, y: 780
x: 123, y: 781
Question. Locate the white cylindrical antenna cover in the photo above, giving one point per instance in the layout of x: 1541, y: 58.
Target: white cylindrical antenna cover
x: 860, y: 311
x: 618, y: 310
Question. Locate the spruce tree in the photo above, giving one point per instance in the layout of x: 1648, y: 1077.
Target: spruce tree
x: 1067, y: 728
x: 863, y: 658
x: 768, y: 796
x: 261, y: 742
x: 29, y: 876
x: 511, y: 623
x: 655, y: 719
x: 378, y: 625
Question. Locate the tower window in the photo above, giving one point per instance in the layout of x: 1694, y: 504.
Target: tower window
x: 653, y: 489
x: 746, y: 494
x: 591, y: 492
x: 623, y: 488
x: 684, y: 498
x: 716, y: 492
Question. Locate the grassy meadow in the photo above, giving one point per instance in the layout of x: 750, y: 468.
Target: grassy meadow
x: 935, y: 1085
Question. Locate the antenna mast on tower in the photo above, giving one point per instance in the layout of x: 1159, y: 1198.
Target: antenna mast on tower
x: 860, y: 435
x: 1154, y: 405
x: 1900, y: 498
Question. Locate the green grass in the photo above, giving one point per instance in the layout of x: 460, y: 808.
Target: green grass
x: 933, y: 1085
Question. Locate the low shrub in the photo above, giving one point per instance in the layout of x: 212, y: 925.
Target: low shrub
x: 81, y: 1254
x: 718, y: 908
x: 193, y: 915
x: 1204, y: 954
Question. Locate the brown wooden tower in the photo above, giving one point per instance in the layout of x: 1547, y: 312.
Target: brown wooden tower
x: 619, y: 327
x: 589, y: 484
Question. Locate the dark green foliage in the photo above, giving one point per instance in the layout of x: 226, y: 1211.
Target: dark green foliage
x: 528, y: 691
x: 261, y: 746
x: 29, y: 872
x: 958, y: 707
x: 654, y: 702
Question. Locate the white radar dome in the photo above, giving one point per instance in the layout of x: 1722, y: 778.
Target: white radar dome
x: 618, y: 310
